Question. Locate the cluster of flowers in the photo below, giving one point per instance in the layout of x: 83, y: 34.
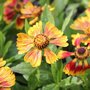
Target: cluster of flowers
x: 20, y: 10
x: 38, y: 38
x: 36, y: 44
x: 7, y: 78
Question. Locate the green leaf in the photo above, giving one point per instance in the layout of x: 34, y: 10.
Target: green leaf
x: 47, y: 16
x: 1, y: 12
x: 59, y: 6
x: 52, y: 86
x: 2, y: 41
x: 33, y: 81
x: 7, y: 27
x: 70, y: 81
x: 19, y: 87
x: 26, y: 25
x: 66, y: 21
x: 6, y: 47
x: 24, y: 68
x: 57, y: 71
x: 42, y: 2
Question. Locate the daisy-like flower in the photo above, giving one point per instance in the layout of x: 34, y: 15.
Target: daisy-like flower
x: 7, y: 78
x: 80, y: 63
x: 83, y: 24
x: 37, y: 41
x: 12, y: 10
x: 31, y: 11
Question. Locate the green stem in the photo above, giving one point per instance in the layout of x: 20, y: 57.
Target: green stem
x: 57, y: 71
x: 60, y: 70
x: 53, y: 70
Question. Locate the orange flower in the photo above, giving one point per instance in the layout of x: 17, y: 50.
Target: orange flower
x: 7, y: 78
x: 80, y: 63
x: 83, y: 24
x: 37, y: 41
x: 12, y: 10
x: 31, y: 11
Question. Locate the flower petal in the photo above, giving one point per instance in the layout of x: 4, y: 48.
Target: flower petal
x: 70, y: 67
x: 87, y: 12
x: 50, y: 56
x: 36, y: 29
x: 10, y: 3
x: 2, y: 62
x: 79, y: 69
x: 19, y: 23
x: 82, y: 23
x: 86, y: 65
x: 60, y: 41
x: 3, y: 88
x: 9, y: 14
x: 24, y: 43
x: 51, y: 31
x: 64, y: 54
x: 34, y: 57
x: 77, y: 39
x: 7, y: 78
x: 25, y: 1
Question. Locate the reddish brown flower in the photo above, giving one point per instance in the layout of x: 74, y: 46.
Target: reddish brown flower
x: 80, y: 63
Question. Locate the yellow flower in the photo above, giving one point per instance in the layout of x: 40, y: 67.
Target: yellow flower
x: 37, y: 41
x: 2, y: 62
x: 83, y: 24
x: 80, y: 63
x: 7, y: 78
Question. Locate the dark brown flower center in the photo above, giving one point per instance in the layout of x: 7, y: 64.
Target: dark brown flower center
x: 18, y: 6
x: 81, y: 50
x: 81, y: 53
x: 41, y: 41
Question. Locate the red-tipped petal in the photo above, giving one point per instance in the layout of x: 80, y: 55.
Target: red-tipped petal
x: 64, y: 54
x: 19, y: 23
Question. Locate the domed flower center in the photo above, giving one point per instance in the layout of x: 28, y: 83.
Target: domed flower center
x: 81, y: 53
x: 18, y: 6
x: 41, y: 41
x: 81, y: 50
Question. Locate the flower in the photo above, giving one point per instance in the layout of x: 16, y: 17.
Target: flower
x: 80, y: 63
x: 37, y: 41
x: 83, y: 24
x: 2, y: 62
x: 12, y: 10
x: 31, y: 11
x: 7, y: 78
